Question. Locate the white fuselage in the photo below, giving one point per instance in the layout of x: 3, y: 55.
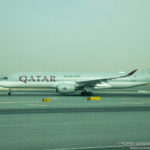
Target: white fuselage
x: 51, y: 80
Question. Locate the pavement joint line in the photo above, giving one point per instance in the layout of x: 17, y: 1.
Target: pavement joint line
x: 93, y: 147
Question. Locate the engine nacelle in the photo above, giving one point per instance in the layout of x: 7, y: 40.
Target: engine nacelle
x: 65, y: 88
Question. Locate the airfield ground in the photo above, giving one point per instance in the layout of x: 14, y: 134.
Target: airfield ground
x: 120, y: 120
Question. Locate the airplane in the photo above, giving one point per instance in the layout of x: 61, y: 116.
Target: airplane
x: 66, y: 83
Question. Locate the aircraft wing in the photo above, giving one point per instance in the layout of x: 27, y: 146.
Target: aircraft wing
x: 95, y: 81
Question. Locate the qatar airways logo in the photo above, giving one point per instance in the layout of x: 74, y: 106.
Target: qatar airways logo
x: 26, y: 79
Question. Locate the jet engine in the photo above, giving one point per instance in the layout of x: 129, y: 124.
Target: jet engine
x: 65, y: 88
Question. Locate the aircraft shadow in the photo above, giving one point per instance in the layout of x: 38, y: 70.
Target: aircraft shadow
x: 78, y: 95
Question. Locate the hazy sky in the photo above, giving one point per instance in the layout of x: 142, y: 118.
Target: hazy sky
x: 74, y: 35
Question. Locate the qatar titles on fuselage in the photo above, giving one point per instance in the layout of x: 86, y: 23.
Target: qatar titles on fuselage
x: 66, y: 83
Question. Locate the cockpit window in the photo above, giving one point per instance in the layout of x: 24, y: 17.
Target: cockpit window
x: 5, y: 78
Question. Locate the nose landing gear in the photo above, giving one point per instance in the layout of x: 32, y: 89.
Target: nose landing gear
x: 9, y: 92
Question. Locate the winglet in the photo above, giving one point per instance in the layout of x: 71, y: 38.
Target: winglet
x: 131, y: 73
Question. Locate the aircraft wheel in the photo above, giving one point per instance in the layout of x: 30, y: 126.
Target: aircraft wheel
x: 9, y: 93
x: 83, y: 93
x: 90, y: 94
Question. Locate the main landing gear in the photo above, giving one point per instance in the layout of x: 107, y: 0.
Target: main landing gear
x: 9, y: 92
x: 86, y: 93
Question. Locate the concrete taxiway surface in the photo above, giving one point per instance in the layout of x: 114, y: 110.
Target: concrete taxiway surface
x: 117, y: 121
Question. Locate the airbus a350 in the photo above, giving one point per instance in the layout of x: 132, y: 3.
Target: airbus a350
x: 66, y: 83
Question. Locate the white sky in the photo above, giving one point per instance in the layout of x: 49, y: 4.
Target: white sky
x: 74, y: 35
